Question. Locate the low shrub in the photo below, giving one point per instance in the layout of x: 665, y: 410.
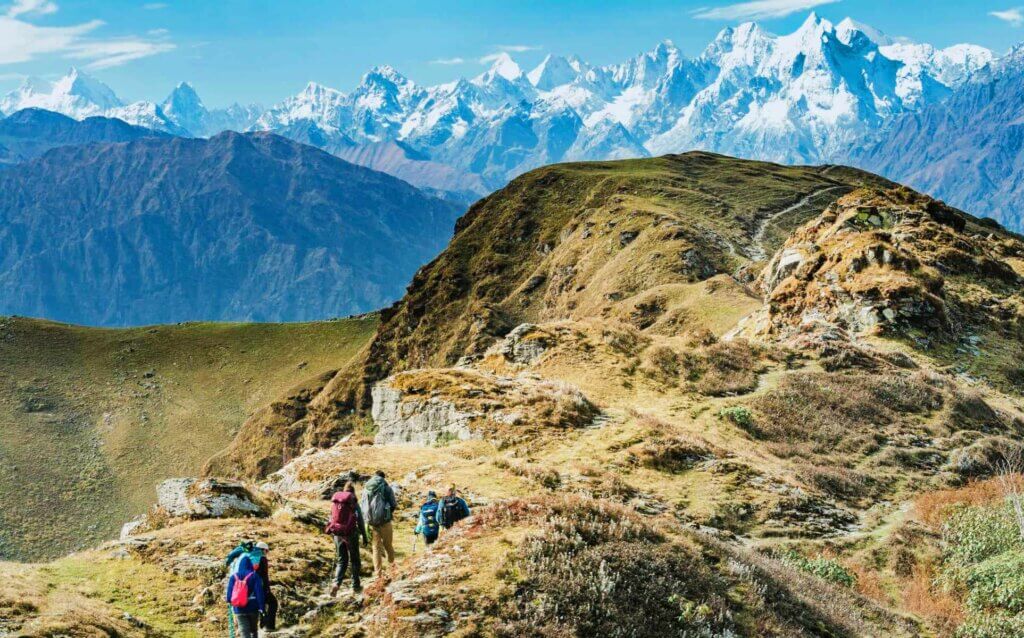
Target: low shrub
x: 739, y: 415
x: 997, y: 583
x: 974, y: 534
x: 825, y: 568
x: 992, y: 626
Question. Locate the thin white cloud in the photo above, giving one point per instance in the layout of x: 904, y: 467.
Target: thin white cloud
x: 518, y: 48
x: 491, y: 57
x: 104, y: 54
x: 1014, y: 16
x: 759, y: 9
x: 448, y: 61
x: 21, y: 40
x: 156, y: 33
x: 31, y: 7
x: 154, y: 6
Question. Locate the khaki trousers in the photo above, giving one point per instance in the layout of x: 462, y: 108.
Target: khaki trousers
x: 383, y: 543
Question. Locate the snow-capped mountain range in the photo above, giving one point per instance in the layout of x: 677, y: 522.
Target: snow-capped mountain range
x: 802, y: 97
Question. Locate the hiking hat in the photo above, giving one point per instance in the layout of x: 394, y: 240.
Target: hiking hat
x: 431, y: 494
x: 263, y: 546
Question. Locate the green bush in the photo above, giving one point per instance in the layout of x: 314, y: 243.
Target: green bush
x: 739, y: 415
x: 824, y: 568
x: 992, y: 626
x: 973, y: 534
x: 997, y: 583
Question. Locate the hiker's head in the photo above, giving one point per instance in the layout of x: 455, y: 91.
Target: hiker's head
x: 263, y: 547
x: 247, y: 545
x: 431, y: 495
x: 380, y: 473
x: 349, y: 487
x: 451, y: 490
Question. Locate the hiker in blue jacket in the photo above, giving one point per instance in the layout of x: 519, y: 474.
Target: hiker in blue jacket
x: 429, y: 523
x: 247, y: 608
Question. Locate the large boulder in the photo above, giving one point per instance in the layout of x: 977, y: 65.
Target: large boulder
x: 206, y: 498
x: 425, y: 407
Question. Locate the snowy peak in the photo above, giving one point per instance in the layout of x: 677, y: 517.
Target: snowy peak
x: 848, y: 29
x: 555, y: 71
x: 81, y: 85
x: 77, y: 95
x: 503, y: 67
x: 183, y: 99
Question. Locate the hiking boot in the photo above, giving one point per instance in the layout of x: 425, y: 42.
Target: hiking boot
x: 334, y: 590
x: 357, y: 588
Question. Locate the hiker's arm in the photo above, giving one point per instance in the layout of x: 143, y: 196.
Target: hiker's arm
x: 361, y: 524
x: 233, y: 555
x: 465, y: 507
x: 231, y: 585
x: 421, y: 523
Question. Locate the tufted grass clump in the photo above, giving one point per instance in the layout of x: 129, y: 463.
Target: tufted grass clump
x: 597, y: 569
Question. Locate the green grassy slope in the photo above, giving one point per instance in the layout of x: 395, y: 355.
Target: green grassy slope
x: 91, y: 419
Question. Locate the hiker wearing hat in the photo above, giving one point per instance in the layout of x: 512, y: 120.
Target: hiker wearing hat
x: 453, y: 508
x: 429, y: 525
x: 256, y: 553
x: 269, y: 619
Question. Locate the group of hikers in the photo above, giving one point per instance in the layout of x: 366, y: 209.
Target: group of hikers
x: 252, y: 602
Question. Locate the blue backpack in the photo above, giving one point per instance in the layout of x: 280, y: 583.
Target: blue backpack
x: 430, y: 526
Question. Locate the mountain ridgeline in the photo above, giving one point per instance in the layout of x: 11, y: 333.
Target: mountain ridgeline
x: 250, y: 227
x: 802, y: 97
x: 570, y: 240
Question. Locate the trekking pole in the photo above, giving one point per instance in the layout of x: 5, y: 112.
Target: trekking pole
x: 415, y: 538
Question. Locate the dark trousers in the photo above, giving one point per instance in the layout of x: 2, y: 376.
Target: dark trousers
x: 248, y: 625
x: 269, y: 619
x: 348, y: 552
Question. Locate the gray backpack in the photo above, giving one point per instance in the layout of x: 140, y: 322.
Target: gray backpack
x: 378, y: 510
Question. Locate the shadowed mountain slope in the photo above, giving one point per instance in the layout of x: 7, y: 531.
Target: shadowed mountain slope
x: 238, y: 227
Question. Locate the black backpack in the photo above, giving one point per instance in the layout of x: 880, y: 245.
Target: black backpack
x: 452, y: 511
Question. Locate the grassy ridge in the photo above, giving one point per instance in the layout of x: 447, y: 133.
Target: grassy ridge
x: 91, y: 419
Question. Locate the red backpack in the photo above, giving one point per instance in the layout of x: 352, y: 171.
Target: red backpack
x: 343, y: 514
x: 240, y: 592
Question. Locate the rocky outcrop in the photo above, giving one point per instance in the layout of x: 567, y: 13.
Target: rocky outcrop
x: 424, y: 407
x: 206, y: 498
x: 879, y: 261
x: 416, y: 421
x: 524, y: 345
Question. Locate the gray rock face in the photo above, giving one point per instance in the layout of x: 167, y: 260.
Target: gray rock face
x: 518, y: 347
x: 416, y: 422
x: 206, y: 498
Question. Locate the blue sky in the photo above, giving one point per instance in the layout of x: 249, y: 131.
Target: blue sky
x: 263, y: 50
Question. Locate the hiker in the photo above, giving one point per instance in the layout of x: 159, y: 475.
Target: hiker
x: 246, y: 596
x: 346, y: 525
x: 428, y: 524
x: 453, y: 508
x: 269, y: 618
x: 379, y: 504
x: 244, y: 547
